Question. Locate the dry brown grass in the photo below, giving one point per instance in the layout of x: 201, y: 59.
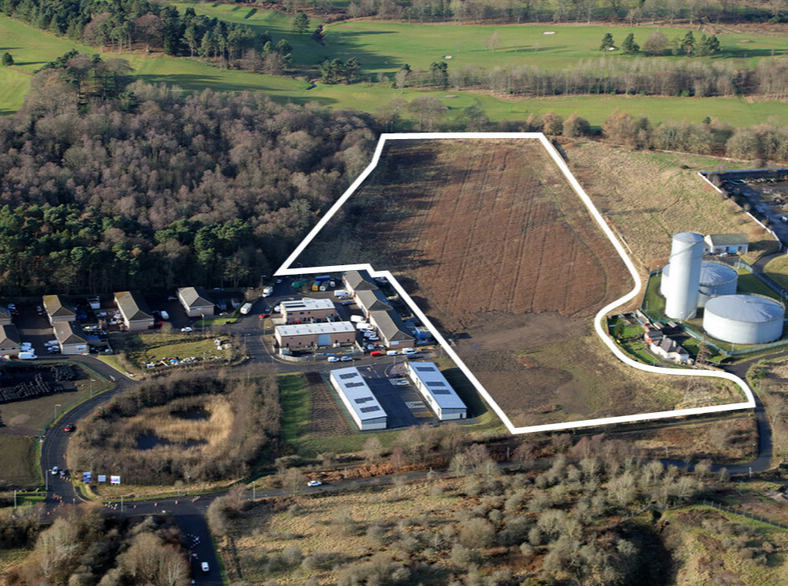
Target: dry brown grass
x: 648, y: 197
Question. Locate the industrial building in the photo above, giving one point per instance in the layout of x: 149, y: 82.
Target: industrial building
x: 392, y: 331
x: 314, y: 335
x: 744, y: 319
x: 58, y: 309
x: 134, y: 311
x: 70, y: 339
x: 715, y: 280
x: 437, y: 391
x: 726, y: 244
x: 358, y: 281
x: 357, y: 397
x: 10, y: 342
x: 681, y: 293
x: 307, y: 310
x: 370, y: 301
x: 196, y: 302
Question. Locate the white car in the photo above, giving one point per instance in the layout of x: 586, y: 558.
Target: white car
x: 277, y: 308
x: 26, y: 346
x: 55, y: 470
x: 347, y: 359
x: 333, y: 359
x: 313, y: 483
x: 410, y: 351
x: 187, y: 329
x: 402, y: 383
x: 205, y: 567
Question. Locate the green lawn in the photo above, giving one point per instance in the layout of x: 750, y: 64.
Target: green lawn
x: 749, y: 283
x: 777, y: 269
x: 16, y: 459
x: 296, y: 402
x: 144, y: 348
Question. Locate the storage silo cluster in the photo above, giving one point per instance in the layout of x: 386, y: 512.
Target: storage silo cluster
x: 744, y: 319
x: 688, y: 283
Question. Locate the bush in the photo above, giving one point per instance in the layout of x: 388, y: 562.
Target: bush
x: 477, y: 532
x: 7, y: 59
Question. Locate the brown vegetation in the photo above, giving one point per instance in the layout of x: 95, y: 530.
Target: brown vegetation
x: 188, y: 427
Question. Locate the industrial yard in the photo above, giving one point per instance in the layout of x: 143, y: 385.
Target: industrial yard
x: 494, y: 246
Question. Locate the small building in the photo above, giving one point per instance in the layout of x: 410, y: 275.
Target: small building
x: 307, y: 310
x: 315, y: 335
x: 70, y: 339
x: 360, y: 402
x: 437, y: 391
x: 134, y: 311
x: 58, y: 309
x: 370, y: 301
x: 726, y: 244
x: 10, y: 342
x: 391, y: 329
x: 670, y: 350
x: 358, y: 281
x: 653, y: 336
x: 196, y: 302
x: 5, y: 316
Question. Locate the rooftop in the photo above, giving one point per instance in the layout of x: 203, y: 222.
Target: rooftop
x: 307, y: 304
x: 66, y: 332
x: 727, y: 239
x: 9, y: 337
x: 360, y: 280
x: 390, y: 325
x: 132, y: 306
x: 57, y: 306
x: 373, y: 300
x: 337, y: 327
x: 194, y: 297
x: 358, y: 393
x: 746, y: 308
x: 436, y: 384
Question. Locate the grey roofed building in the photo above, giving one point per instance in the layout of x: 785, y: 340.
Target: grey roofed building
x: 437, y: 391
x: 727, y: 239
x: 372, y: 301
x: 5, y: 316
x: 58, y: 309
x: 359, y: 281
x: 132, y: 306
x: 67, y: 333
x: 194, y: 296
x: 391, y: 327
x: 9, y: 339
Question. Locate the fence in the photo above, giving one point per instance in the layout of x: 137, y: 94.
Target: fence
x: 752, y: 516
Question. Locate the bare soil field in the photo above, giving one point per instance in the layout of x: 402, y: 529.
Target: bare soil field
x: 327, y: 418
x: 648, y: 197
x: 494, y: 245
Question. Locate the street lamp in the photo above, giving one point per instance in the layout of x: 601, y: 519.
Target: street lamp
x: 203, y: 322
x: 56, y: 406
x: 91, y: 387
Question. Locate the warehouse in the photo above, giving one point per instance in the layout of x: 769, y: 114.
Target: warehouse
x: 134, y: 310
x: 315, y: 335
x: 196, y: 302
x: 58, y: 309
x: 437, y: 391
x: 70, y: 339
x: 370, y: 301
x: 391, y: 329
x: 358, y: 281
x: 307, y: 310
x: 357, y: 397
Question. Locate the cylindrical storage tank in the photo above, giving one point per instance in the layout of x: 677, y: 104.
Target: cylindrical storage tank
x: 681, y: 294
x: 716, y: 280
x: 744, y: 319
x: 664, y: 283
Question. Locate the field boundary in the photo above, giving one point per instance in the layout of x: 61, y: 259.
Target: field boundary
x: 287, y: 269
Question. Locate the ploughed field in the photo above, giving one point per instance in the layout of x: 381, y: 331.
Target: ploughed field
x: 495, y: 246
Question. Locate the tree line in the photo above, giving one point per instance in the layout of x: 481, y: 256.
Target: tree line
x: 517, y: 11
x: 156, y: 189
x: 609, y: 75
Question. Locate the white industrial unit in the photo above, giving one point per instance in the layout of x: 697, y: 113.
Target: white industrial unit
x: 437, y: 391
x: 744, y: 319
x: 357, y: 397
x: 715, y: 280
x: 686, y: 257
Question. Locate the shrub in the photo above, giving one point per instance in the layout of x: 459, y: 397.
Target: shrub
x: 477, y: 532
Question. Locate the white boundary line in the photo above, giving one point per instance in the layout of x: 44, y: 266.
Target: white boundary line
x: 286, y: 269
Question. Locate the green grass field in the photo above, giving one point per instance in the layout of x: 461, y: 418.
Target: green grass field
x: 296, y: 401
x: 16, y: 459
x: 777, y: 269
x: 32, y: 48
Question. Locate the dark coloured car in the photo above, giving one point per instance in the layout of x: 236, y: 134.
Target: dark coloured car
x: 39, y: 310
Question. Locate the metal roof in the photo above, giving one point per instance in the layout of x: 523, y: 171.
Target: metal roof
x: 337, y: 327
x: 132, y: 306
x: 9, y: 337
x: 390, y: 325
x: 194, y: 297
x: 688, y: 237
x: 67, y: 333
x: 746, y: 308
x: 727, y: 239
x: 306, y: 304
x: 358, y: 394
x: 56, y: 306
x: 372, y: 300
x: 436, y: 384
x: 359, y: 280
x: 711, y: 273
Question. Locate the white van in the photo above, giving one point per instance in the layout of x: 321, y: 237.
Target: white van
x: 246, y: 308
x: 391, y: 353
x: 27, y: 356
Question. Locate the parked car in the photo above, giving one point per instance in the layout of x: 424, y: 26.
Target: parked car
x: 39, y: 310
x: 187, y: 329
x: 55, y: 470
x: 12, y: 309
x: 402, y: 383
x: 26, y: 346
x: 333, y: 359
x: 409, y: 351
x: 376, y: 353
x: 53, y: 350
x: 164, y: 315
x: 347, y: 359
x: 313, y: 483
x: 69, y: 428
x: 205, y: 567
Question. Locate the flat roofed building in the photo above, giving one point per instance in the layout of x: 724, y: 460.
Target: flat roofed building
x: 10, y: 342
x: 358, y: 281
x: 70, y: 339
x: 314, y: 335
x: 437, y: 391
x: 370, y: 301
x: 134, y: 311
x: 391, y: 329
x: 58, y: 309
x: 357, y: 397
x: 195, y: 301
x: 306, y: 310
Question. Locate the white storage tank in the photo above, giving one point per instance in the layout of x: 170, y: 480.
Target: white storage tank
x: 681, y: 292
x: 744, y: 319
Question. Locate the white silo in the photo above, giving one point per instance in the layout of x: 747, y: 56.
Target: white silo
x: 744, y: 319
x: 715, y: 280
x: 686, y: 257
